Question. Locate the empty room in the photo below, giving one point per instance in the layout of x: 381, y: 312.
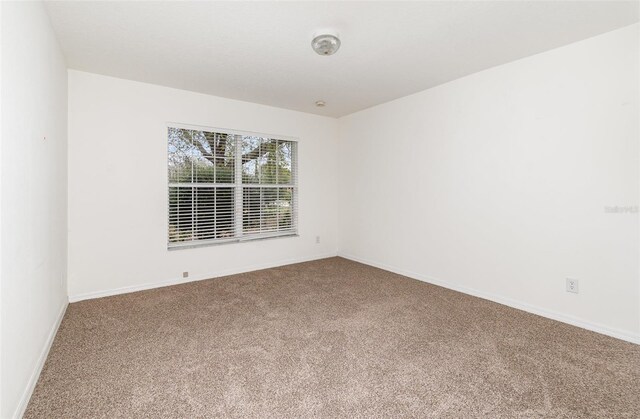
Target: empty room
x: 336, y: 209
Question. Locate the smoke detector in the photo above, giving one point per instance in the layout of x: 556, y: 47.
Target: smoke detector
x: 326, y: 43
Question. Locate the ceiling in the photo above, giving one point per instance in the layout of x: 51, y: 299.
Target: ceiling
x: 260, y: 51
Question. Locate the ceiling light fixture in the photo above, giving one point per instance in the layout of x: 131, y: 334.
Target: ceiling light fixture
x: 320, y: 103
x: 326, y: 43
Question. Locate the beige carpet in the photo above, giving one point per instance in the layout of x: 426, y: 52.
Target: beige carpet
x: 330, y: 338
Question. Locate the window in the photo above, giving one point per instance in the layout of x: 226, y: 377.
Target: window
x: 229, y: 187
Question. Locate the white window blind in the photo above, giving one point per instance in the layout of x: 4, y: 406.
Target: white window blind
x: 227, y: 187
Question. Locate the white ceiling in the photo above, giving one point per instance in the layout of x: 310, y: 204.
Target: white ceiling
x: 260, y: 51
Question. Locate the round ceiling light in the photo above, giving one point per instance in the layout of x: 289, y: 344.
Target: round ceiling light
x: 325, y: 44
x: 320, y: 103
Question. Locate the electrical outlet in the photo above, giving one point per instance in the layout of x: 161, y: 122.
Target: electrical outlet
x: 572, y: 285
x: 185, y: 274
x: 317, y: 239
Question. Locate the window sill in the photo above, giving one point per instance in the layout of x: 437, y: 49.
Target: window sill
x: 218, y: 242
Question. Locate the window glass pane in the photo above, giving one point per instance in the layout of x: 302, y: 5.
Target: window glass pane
x: 267, y: 209
x: 267, y: 162
x: 251, y: 209
x: 201, y: 213
x: 213, y: 213
x: 203, y: 157
x: 180, y: 214
x: 225, y: 213
x: 181, y: 152
x: 284, y: 207
x: 200, y: 156
x: 214, y: 158
x: 259, y: 160
x: 285, y: 167
x: 250, y: 151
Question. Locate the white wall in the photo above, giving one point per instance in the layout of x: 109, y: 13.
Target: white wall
x: 34, y: 197
x: 118, y: 185
x: 496, y: 183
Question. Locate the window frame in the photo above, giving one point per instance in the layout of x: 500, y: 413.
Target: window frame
x: 237, y: 185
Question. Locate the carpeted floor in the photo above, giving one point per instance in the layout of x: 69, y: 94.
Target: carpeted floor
x: 330, y: 338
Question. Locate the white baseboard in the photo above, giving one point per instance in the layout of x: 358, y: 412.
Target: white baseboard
x: 217, y: 274
x: 31, y: 384
x: 520, y: 305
